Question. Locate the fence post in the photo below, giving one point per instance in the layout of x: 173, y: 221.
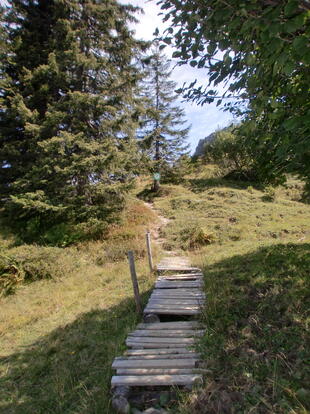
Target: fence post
x: 149, y: 250
x: 134, y: 281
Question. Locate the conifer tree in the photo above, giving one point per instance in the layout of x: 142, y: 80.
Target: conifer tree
x: 69, y: 119
x: 163, y: 136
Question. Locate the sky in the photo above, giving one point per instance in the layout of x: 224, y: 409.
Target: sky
x: 204, y: 119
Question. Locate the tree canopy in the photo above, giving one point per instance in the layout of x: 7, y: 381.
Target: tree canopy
x: 69, y: 112
x: 163, y: 134
x: 260, y: 50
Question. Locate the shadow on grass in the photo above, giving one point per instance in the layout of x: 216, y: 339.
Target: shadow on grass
x: 69, y: 370
x: 198, y: 185
x: 256, y: 332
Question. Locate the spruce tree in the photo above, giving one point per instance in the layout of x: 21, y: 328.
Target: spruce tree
x: 69, y: 119
x: 163, y: 137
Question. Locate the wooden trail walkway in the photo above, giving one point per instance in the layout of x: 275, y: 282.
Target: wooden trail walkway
x: 161, y: 353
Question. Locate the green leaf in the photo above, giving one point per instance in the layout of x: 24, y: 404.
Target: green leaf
x: 193, y: 63
x: 289, y: 67
x: 291, y: 8
x: 211, y: 48
x: 294, y: 24
x: 300, y: 44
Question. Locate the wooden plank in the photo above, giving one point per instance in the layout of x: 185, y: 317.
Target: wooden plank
x: 153, y: 380
x: 177, y: 297
x: 181, y: 341
x: 166, y: 284
x: 154, y: 363
x: 159, y: 351
x: 173, y: 311
x: 180, y: 306
x: 167, y: 333
x: 176, y: 301
x: 131, y: 342
x: 158, y: 371
x: 185, y: 291
x: 169, y: 325
x: 177, y: 269
x: 198, y: 274
x: 190, y: 354
x: 174, y: 292
x: 180, y: 278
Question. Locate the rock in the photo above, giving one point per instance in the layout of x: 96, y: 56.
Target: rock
x: 119, y: 399
x: 155, y: 411
x: 121, y: 405
x: 121, y: 391
x: 151, y: 318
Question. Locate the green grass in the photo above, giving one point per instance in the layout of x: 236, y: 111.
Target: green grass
x: 254, y: 248
x: 60, y: 331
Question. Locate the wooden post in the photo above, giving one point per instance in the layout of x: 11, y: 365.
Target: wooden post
x: 149, y: 250
x: 134, y: 281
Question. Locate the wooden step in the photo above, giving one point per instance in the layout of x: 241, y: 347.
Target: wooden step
x: 176, y: 306
x: 154, y: 363
x: 176, y: 301
x: 168, y: 311
x: 179, y: 340
x: 167, y: 284
x: 153, y: 380
x: 161, y: 356
x: 169, y: 325
x: 178, y: 269
x: 158, y: 371
x: 193, y: 278
x: 160, y: 351
x: 141, y: 342
x: 167, y: 333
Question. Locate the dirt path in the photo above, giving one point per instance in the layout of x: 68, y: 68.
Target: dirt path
x: 156, y: 230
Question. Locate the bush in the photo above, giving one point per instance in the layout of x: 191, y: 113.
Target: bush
x: 11, y: 275
x: 269, y: 194
x: 195, y: 236
x: 30, y: 263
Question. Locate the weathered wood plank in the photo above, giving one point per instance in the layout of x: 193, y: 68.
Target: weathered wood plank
x: 169, y: 325
x: 153, y: 380
x: 161, y: 356
x: 168, y: 311
x: 189, y: 291
x: 167, y: 284
x: 193, y: 278
x: 177, y: 269
x: 173, y: 293
x: 179, y: 340
x: 160, y: 351
x: 182, y: 306
x: 176, y: 301
x: 167, y: 333
x: 154, y: 363
x: 158, y: 371
x: 197, y: 274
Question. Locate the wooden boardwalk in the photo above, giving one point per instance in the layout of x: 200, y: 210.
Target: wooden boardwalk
x: 162, y: 353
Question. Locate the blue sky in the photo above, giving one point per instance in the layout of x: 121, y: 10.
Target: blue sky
x: 205, y: 119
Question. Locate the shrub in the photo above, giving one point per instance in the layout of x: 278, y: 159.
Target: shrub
x: 11, y: 275
x: 269, y: 194
x: 195, y: 236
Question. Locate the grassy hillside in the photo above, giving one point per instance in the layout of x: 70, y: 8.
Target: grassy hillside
x: 254, y: 248
x: 60, y: 333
